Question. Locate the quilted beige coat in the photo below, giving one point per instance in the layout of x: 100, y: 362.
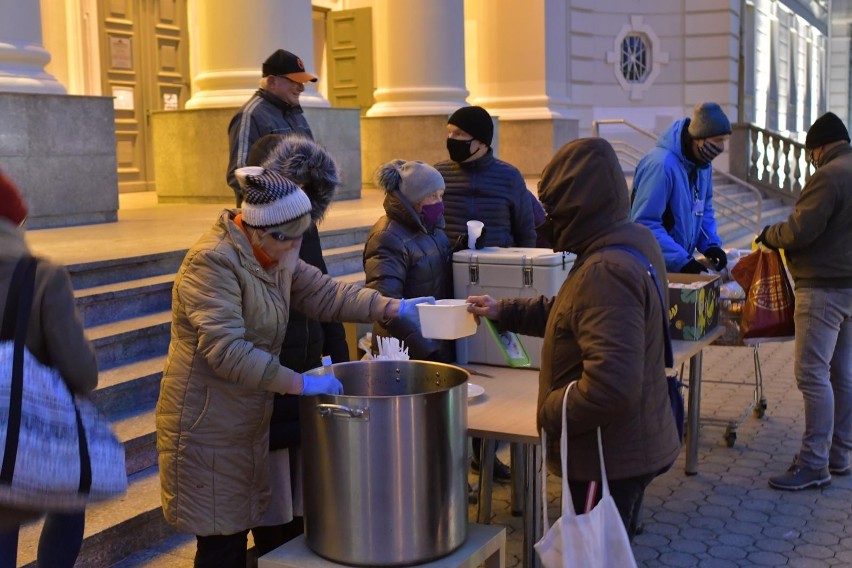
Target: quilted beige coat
x: 229, y: 317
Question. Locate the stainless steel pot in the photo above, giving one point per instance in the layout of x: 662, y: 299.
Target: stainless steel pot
x: 385, y: 464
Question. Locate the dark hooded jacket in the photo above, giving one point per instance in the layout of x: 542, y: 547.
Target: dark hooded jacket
x: 307, y: 340
x: 405, y: 259
x: 603, y: 330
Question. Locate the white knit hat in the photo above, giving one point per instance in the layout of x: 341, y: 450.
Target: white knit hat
x: 270, y: 198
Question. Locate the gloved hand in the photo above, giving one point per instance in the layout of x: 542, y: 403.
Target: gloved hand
x: 321, y: 384
x: 717, y: 256
x: 408, y: 308
x: 761, y: 239
x: 693, y: 267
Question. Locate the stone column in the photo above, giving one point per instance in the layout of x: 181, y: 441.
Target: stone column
x: 521, y: 76
x: 419, y: 47
x: 230, y: 40
x: 22, y: 52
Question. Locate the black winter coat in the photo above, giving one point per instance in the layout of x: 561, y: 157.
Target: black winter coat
x: 304, y: 345
x: 405, y: 259
x: 493, y: 192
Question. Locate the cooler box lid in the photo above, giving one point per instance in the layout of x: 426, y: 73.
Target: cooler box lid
x: 514, y: 256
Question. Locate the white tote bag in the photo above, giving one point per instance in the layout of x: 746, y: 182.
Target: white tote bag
x: 57, y: 452
x: 596, y: 539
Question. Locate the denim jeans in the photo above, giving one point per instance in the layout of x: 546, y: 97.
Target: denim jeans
x: 823, y: 369
x: 58, y: 545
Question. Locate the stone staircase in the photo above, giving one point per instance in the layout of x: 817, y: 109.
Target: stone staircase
x: 730, y: 198
x: 126, y: 308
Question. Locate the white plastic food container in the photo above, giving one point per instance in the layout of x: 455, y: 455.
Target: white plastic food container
x: 446, y: 319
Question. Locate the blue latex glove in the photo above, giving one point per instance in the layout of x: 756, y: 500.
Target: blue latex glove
x: 321, y: 384
x: 408, y: 308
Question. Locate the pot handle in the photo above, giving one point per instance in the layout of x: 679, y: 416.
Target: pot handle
x: 326, y: 409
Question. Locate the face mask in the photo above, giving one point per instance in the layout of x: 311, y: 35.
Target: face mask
x: 432, y: 213
x: 811, y: 160
x: 708, y: 151
x: 459, y: 149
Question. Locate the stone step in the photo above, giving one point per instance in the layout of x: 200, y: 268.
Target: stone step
x: 137, y: 431
x: 129, y: 387
x: 132, y: 339
x: 110, y: 271
x: 177, y: 551
x: 344, y: 260
x: 126, y: 299
x: 115, y: 529
x: 338, y: 238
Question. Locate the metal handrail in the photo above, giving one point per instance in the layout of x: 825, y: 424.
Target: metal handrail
x: 726, y: 201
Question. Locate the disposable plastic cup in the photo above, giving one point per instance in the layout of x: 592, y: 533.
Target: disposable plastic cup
x: 446, y: 319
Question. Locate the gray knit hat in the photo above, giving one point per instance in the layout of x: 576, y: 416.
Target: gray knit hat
x: 708, y: 120
x: 416, y: 180
x: 271, y: 200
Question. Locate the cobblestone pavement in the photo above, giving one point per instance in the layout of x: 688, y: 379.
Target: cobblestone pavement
x: 727, y: 515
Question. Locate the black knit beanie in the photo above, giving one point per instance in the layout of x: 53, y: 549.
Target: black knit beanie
x: 827, y: 129
x: 476, y: 121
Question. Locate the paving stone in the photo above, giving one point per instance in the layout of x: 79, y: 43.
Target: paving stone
x: 678, y: 559
x: 814, y: 551
x: 727, y: 552
x: 652, y: 540
x: 644, y: 553
x: 689, y: 546
x: 739, y: 540
x: 717, y: 563
x: 749, y: 516
x: 774, y: 545
x: 767, y: 559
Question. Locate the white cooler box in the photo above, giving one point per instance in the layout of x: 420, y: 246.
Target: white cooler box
x: 505, y: 273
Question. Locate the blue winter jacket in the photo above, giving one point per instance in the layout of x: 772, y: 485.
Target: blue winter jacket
x: 673, y: 197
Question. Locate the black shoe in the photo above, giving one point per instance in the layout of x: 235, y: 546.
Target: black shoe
x: 502, y: 472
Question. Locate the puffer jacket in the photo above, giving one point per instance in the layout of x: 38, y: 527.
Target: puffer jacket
x: 816, y: 236
x: 603, y: 329
x: 405, y: 259
x: 668, y: 189
x: 490, y: 191
x: 55, y: 334
x: 229, y: 317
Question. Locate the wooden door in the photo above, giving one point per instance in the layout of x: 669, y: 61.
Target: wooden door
x: 145, y: 67
x: 350, y: 58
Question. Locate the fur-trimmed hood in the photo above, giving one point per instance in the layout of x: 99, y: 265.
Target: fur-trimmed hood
x: 305, y: 162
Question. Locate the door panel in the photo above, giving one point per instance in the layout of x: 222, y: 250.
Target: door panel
x: 350, y: 58
x: 145, y: 63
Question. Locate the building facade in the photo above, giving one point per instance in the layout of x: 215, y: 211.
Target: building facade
x: 163, y: 77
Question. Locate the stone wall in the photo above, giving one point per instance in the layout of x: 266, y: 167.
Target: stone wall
x: 191, y: 152
x: 60, y: 151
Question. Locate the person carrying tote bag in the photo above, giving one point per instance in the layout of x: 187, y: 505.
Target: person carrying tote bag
x: 54, y: 336
x: 595, y: 539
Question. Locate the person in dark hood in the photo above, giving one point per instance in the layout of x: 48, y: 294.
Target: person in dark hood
x: 311, y: 167
x: 673, y: 189
x: 603, y: 333
x: 407, y: 252
x: 273, y: 109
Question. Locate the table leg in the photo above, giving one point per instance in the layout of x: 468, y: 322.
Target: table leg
x: 486, y: 474
x: 693, y: 413
x: 517, y: 453
x: 532, y: 504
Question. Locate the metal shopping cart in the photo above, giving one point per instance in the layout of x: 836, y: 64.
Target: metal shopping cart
x: 730, y: 314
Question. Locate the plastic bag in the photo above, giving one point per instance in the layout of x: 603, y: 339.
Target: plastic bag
x: 770, y: 302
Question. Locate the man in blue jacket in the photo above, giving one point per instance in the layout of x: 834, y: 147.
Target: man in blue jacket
x: 673, y: 189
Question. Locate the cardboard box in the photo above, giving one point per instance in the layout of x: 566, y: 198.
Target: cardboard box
x: 693, y: 311
x: 506, y: 273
